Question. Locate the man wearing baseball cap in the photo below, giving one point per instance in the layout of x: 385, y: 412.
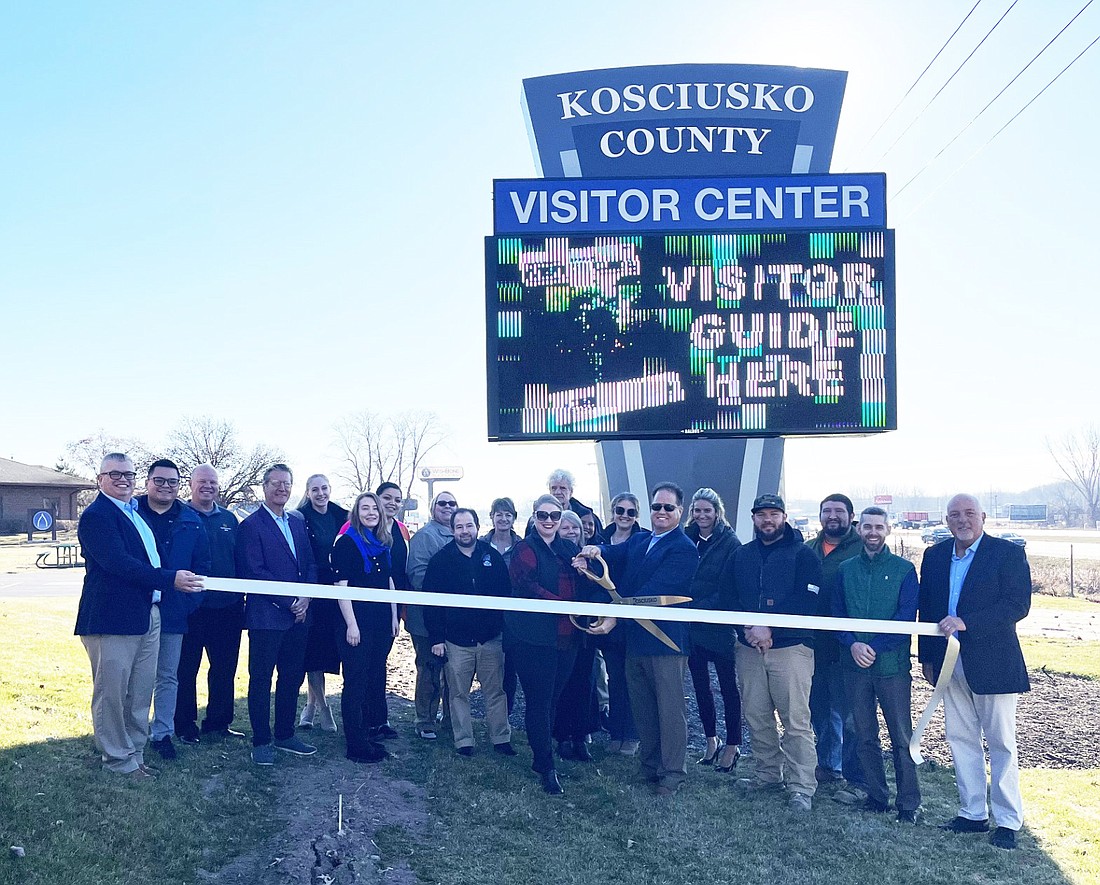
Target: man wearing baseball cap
x: 776, y: 573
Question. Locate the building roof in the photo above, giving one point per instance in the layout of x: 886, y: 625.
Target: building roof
x: 12, y: 473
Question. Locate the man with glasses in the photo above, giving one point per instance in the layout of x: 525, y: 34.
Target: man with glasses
x: 978, y: 587
x: 271, y: 546
x: 659, y: 564
x: 430, y: 688
x: 119, y: 616
x: 215, y: 626
x: 181, y: 543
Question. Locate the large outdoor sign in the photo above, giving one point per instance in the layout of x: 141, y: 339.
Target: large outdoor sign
x: 669, y: 205
x: 659, y: 336
x: 693, y: 119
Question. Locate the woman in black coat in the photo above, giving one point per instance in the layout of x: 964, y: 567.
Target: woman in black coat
x: 713, y: 643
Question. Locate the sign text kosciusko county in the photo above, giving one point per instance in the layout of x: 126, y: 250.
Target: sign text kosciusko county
x: 793, y: 202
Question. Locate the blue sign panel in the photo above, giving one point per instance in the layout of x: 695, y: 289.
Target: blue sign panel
x: 681, y: 205
x: 684, y: 120
x: 42, y: 521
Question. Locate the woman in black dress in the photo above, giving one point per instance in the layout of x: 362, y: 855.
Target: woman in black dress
x: 324, y: 519
x: 361, y: 558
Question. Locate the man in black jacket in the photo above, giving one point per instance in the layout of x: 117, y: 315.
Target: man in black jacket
x: 978, y: 587
x: 776, y: 573
x: 470, y: 639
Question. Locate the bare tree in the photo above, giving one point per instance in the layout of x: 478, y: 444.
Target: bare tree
x: 375, y: 448
x: 207, y: 440
x: 1077, y: 455
x: 83, y: 456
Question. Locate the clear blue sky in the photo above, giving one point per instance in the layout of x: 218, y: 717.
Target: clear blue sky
x: 274, y: 212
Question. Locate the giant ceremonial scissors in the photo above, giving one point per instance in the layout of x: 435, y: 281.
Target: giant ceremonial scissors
x: 605, y: 581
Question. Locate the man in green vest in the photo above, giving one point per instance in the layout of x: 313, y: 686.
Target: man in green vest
x: 877, y: 584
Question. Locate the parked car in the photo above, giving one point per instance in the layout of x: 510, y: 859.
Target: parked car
x: 935, y: 534
x: 1018, y: 540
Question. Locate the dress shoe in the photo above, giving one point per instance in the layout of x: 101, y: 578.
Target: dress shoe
x: 709, y: 756
x: 551, y: 784
x: 164, y: 747
x: 295, y: 747
x: 727, y: 759
x: 581, y: 752
x: 1003, y: 837
x: 966, y: 825
x: 309, y: 713
x: 465, y: 751
x: 664, y: 792
x: 385, y: 733
x: 225, y: 733
x: 189, y: 736
x: 827, y: 775
x: 565, y: 749
x: 325, y: 720
x: 908, y: 815
x: 505, y: 749
x: 614, y: 746
x: 874, y: 806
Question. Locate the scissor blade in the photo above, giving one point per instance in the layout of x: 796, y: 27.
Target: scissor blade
x: 659, y: 633
x: 656, y: 600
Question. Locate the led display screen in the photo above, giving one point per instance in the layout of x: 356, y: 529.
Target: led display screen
x: 655, y: 336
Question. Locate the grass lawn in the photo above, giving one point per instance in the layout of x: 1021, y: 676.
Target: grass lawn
x: 1064, y: 603
x: 488, y: 820
x: 1063, y: 655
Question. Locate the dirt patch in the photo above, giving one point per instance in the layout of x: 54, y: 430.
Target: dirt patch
x: 330, y: 810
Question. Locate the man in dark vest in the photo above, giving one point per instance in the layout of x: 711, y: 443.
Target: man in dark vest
x: 877, y: 584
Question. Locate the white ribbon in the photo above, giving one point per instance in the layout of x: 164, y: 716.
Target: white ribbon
x: 616, y: 610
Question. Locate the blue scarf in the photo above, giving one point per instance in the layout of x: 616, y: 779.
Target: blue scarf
x: 368, y: 546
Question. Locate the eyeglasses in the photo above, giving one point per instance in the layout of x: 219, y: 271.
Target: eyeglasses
x: 552, y: 515
x: 161, y: 481
x: 279, y: 483
x: 446, y: 503
x: 625, y: 511
x: 127, y: 475
x: 657, y: 507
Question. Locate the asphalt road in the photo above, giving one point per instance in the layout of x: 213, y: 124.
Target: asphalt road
x: 41, y: 583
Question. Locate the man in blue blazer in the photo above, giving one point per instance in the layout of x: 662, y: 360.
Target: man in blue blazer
x: 978, y: 587
x: 273, y: 546
x: 659, y: 564
x: 118, y: 619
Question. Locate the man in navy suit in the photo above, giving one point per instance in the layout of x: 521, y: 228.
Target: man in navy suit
x: 272, y: 546
x: 658, y: 564
x: 119, y: 615
x: 978, y: 587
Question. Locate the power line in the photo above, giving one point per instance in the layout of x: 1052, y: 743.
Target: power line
x: 901, y: 101
x: 1011, y: 120
x: 1004, y: 89
x: 949, y: 79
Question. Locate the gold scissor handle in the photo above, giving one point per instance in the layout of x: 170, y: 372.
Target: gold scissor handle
x: 603, y: 580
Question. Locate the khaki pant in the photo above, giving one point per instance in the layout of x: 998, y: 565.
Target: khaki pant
x: 124, y: 669
x: 778, y: 681
x: 656, y: 684
x: 487, y: 660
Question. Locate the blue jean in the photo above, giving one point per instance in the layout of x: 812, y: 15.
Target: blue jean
x: 831, y: 717
x: 167, y: 686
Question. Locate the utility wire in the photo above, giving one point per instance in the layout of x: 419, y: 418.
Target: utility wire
x: 1011, y: 120
x: 1004, y: 89
x: 949, y: 79
x: 901, y: 101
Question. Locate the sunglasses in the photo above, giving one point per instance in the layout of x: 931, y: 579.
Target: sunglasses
x: 657, y: 508
x: 625, y: 511
x: 552, y: 515
x: 446, y: 503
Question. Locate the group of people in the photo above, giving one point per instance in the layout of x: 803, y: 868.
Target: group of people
x: 146, y: 620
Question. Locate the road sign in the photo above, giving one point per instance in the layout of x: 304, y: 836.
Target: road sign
x: 427, y: 473
x: 42, y: 521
